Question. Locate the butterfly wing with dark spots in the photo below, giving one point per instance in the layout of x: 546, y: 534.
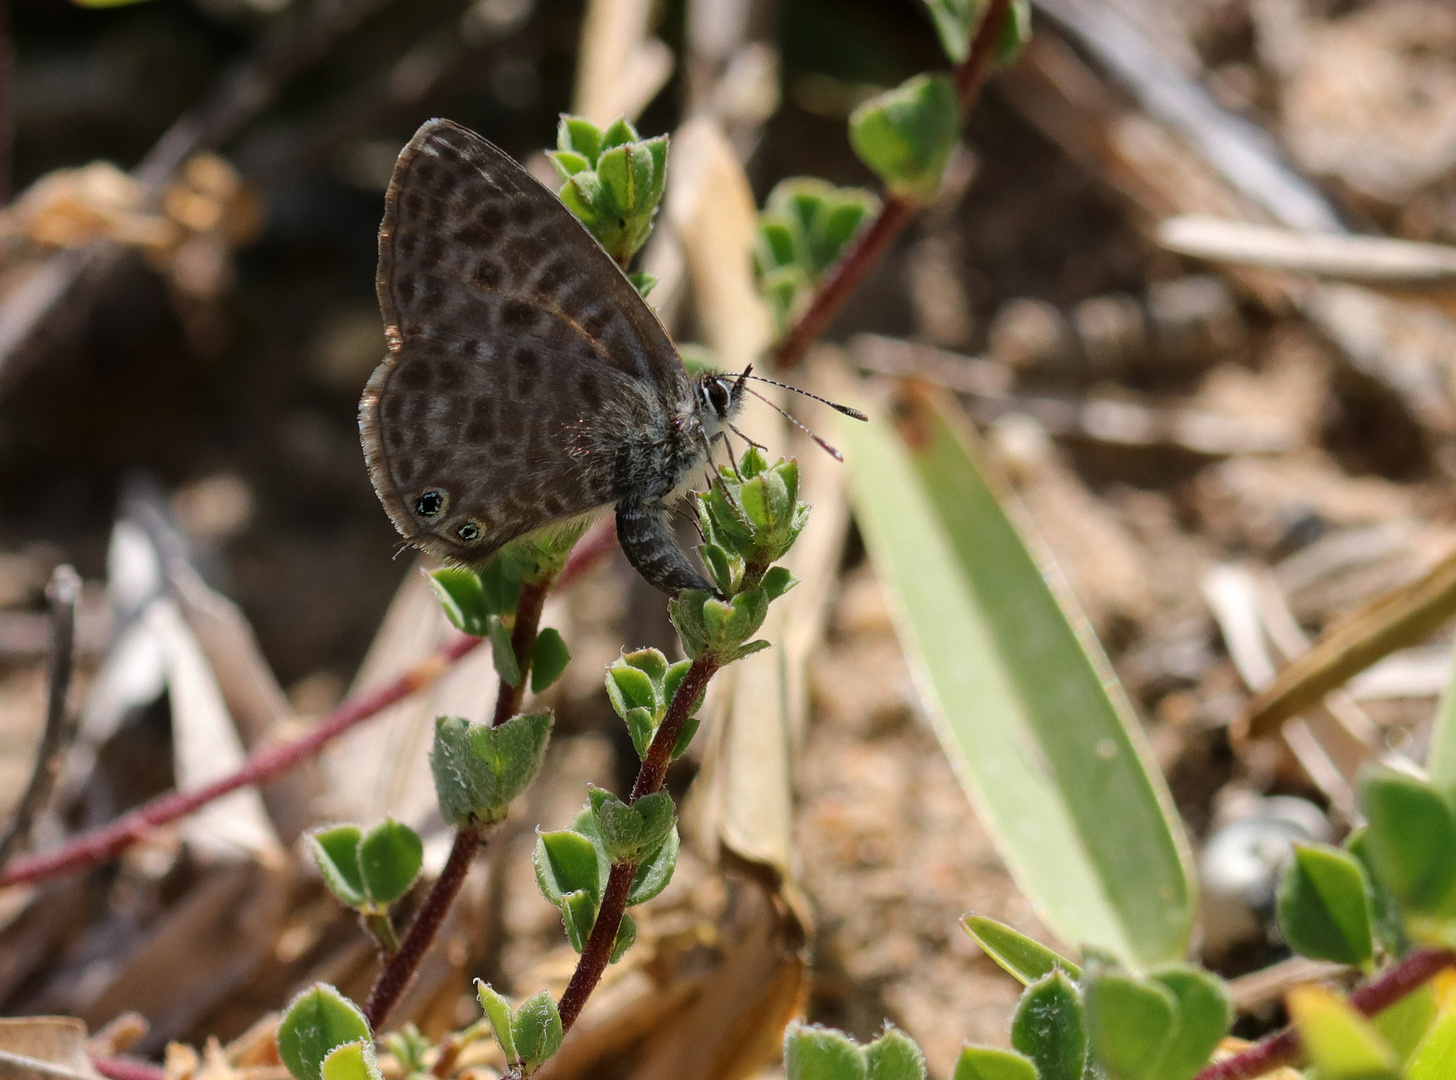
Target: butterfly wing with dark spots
x: 521, y: 359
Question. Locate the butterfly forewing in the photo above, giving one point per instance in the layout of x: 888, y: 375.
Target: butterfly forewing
x: 519, y: 356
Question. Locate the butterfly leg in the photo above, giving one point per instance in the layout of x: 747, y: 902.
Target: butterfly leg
x: 647, y: 541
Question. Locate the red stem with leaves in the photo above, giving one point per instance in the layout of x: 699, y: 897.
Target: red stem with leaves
x: 896, y: 211
x: 1283, y: 1047
x: 400, y: 967
x: 650, y: 777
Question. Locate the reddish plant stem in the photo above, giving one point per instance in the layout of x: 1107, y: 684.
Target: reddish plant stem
x: 523, y: 639
x: 650, y: 776
x: 1283, y: 1047
x: 110, y: 840
x: 399, y: 968
x: 126, y: 1068
x: 866, y: 248
x: 399, y: 972
x: 261, y: 766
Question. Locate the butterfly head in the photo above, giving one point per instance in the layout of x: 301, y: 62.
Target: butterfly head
x: 717, y: 398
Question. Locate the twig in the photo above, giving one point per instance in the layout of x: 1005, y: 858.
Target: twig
x: 603, y: 936
x: 400, y: 967
x: 263, y: 765
x: 523, y: 637
x: 63, y: 592
x: 108, y: 841
x: 1375, y: 996
x: 865, y: 250
x: 400, y: 971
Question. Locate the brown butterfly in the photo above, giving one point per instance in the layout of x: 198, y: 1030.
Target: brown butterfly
x: 527, y: 382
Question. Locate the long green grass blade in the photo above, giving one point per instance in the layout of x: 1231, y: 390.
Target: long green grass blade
x: 1025, y: 703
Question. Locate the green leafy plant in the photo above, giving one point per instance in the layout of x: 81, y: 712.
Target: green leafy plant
x: 613, y: 181
x: 369, y: 871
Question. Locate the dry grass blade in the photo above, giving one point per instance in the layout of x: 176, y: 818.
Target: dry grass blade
x: 1375, y: 260
x: 1402, y: 617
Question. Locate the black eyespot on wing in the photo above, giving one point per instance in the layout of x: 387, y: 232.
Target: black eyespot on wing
x: 469, y: 532
x: 430, y: 503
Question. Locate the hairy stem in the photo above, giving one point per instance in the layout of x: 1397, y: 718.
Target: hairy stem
x: 1283, y: 1047
x: 399, y: 968
x: 523, y: 639
x: 399, y: 972
x: 865, y: 249
x: 650, y: 776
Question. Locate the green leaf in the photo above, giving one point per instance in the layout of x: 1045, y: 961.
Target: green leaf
x: 390, y: 857
x: 643, y: 283
x: 689, y: 729
x: 1205, y: 1012
x: 537, y: 1030
x: 655, y: 870
x: 1050, y: 1028
x: 716, y: 560
x: 1435, y: 1057
x: 620, y: 825
x: 1340, y: 1042
x: 894, y: 1056
x: 1018, y: 955
x: 315, y: 1022
x: 1015, y: 31
x: 906, y: 135
x: 987, y: 1063
x: 462, y: 598
x: 568, y: 163
x: 777, y: 581
x: 1404, y: 1024
x: 567, y: 862
x: 626, y: 936
x: 500, y: 580
x: 632, y: 686
x: 1324, y: 906
x: 578, y: 915
x: 812, y: 1052
x: 673, y: 679
x: 1059, y: 769
x: 498, y: 1012
x: 953, y: 22
x: 641, y: 726
x: 578, y: 134
x: 503, y: 653
x: 1385, y: 916
x: 479, y: 769
x: 652, y: 663
x: 549, y: 657
x: 1132, y: 1021
x: 352, y: 1061
x: 1411, y: 839
x: 336, y: 851
x: 620, y: 133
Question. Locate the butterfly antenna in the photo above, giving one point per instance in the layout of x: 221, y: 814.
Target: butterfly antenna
x: 835, y: 454
x: 836, y: 406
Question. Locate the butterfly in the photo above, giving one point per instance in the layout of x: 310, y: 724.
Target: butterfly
x: 527, y: 383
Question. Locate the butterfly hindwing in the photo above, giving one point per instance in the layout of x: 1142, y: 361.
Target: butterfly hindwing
x: 520, y: 356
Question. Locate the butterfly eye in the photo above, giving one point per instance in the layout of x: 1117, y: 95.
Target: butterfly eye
x: 430, y: 503
x: 469, y: 532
